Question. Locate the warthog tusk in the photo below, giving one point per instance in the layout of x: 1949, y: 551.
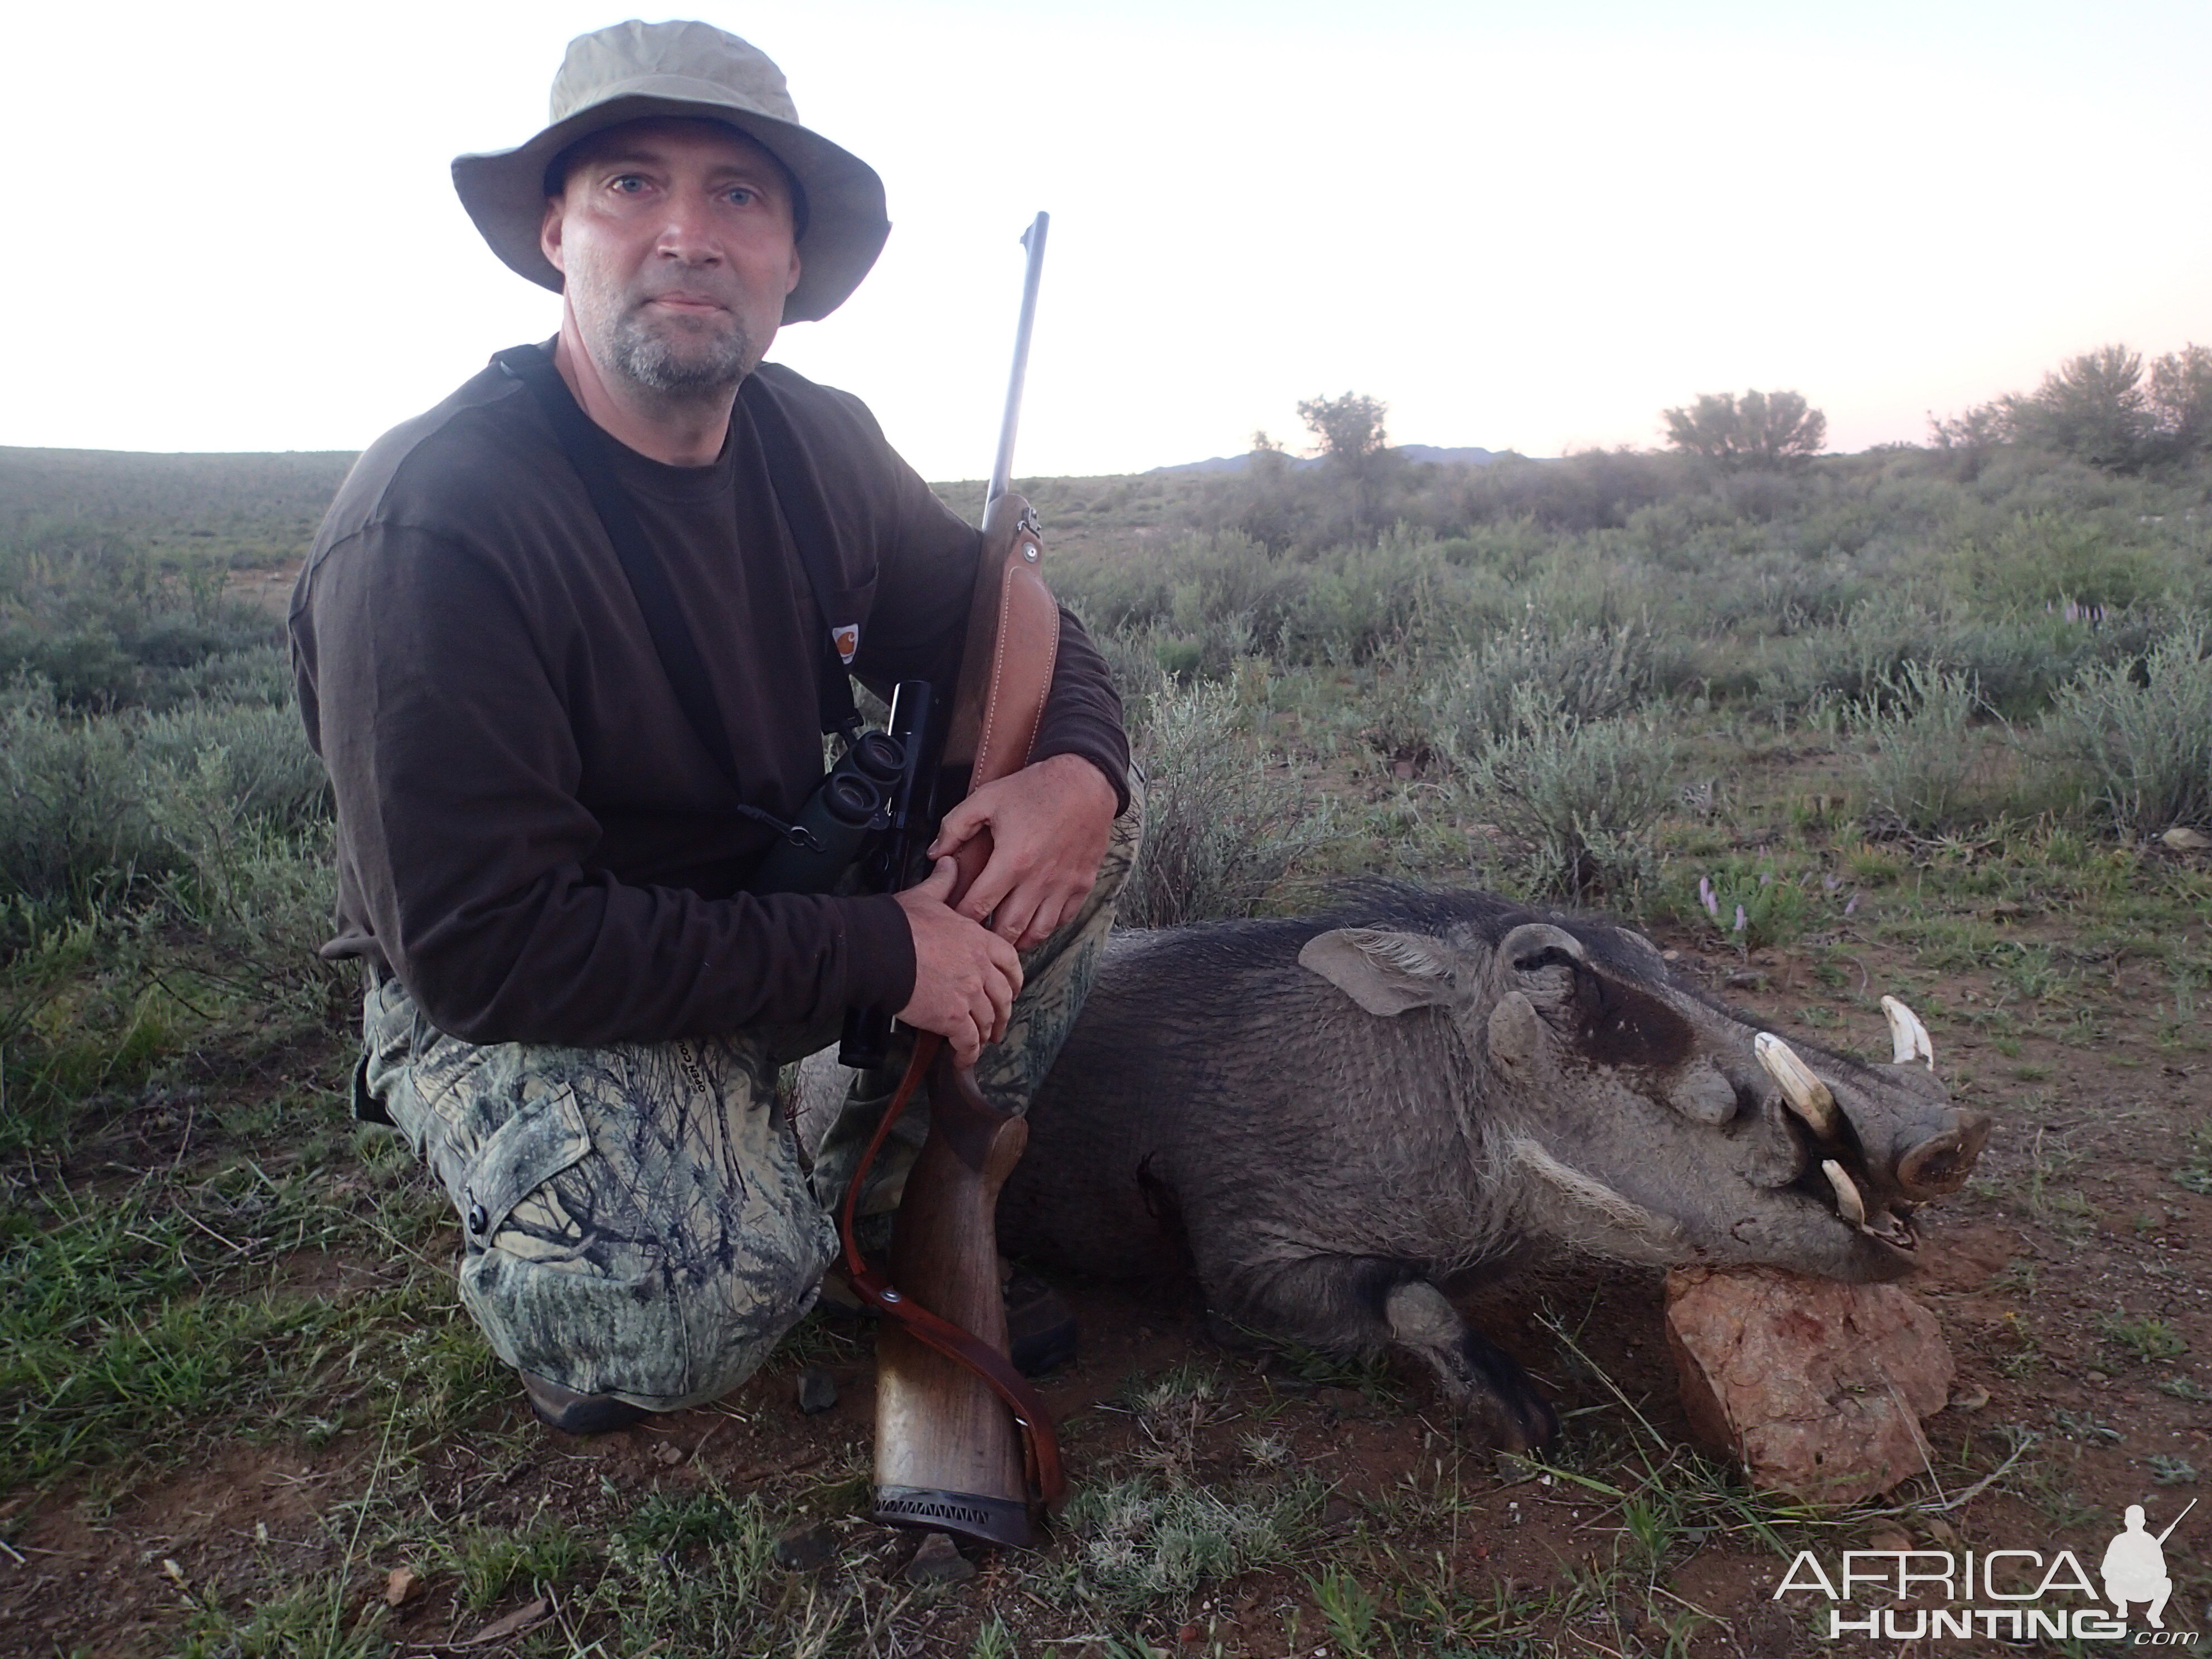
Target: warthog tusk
x: 1807, y: 1096
x: 1908, y: 1037
x: 1848, y: 1201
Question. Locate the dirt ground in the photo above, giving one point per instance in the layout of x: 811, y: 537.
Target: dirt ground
x: 2074, y: 1228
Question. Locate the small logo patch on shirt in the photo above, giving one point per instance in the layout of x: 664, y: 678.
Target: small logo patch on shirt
x: 846, y: 636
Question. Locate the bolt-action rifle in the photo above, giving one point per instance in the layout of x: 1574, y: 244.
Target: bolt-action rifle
x: 963, y: 1443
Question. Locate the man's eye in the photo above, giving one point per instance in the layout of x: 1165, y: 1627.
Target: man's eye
x: 628, y: 184
x: 743, y: 196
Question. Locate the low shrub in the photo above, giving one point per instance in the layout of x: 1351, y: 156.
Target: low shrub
x: 1201, y: 601
x: 2017, y: 660
x: 1583, y: 673
x: 75, y: 823
x: 1222, y: 827
x: 92, y: 804
x: 256, y: 756
x: 1921, y: 757
x: 2140, y: 733
x: 106, y: 651
x: 1579, y: 801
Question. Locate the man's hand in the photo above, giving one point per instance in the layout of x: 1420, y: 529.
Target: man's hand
x: 1049, y: 824
x: 965, y: 976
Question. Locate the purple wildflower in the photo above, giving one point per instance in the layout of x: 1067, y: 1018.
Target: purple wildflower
x: 1742, y: 921
x: 1707, y: 897
x: 1829, y: 882
x: 1853, y: 905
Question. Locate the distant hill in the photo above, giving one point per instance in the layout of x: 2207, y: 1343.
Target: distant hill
x: 1428, y: 452
x: 1450, y: 457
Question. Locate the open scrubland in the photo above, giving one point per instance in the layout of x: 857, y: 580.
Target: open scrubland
x: 1935, y: 722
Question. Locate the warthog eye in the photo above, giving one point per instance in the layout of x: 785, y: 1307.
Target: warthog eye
x: 1550, y: 955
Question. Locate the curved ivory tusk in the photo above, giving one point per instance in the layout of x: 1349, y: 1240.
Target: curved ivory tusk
x: 1807, y: 1096
x: 1848, y: 1201
x: 1908, y: 1037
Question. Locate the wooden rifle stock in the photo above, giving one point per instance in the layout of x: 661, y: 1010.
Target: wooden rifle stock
x: 963, y: 1442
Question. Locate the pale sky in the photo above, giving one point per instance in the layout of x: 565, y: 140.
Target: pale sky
x: 1522, y: 225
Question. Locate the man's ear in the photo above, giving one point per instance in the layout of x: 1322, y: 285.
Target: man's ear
x: 1384, y: 973
x: 549, y: 235
x: 795, y: 269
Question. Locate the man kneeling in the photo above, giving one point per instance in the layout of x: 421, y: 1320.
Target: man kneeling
x: 575, y: 1012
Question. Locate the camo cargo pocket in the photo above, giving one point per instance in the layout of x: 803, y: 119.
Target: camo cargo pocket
x: 546, y: 1136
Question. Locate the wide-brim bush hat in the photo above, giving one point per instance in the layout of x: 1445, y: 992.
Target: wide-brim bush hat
x: 636, y: 72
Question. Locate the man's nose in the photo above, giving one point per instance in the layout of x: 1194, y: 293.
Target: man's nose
x: 687, y: 232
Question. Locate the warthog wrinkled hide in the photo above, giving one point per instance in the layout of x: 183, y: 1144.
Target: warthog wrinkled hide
x: 1330, y: 1117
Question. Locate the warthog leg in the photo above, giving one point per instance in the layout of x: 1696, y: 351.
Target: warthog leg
x: 1482, y: 1379
x: 1349, y: 1304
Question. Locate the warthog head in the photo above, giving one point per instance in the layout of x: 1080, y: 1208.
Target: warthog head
x: 1624, y: 1112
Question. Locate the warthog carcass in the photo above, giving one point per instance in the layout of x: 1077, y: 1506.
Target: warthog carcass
x: 1329, y: 1117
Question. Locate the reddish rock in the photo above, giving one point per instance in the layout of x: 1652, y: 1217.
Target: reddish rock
x: 1816, y: 1389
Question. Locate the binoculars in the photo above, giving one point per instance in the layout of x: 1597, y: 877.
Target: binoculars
x: 870, y: 812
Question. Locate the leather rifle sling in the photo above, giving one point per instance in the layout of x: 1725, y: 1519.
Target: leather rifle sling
x: 997, y: 708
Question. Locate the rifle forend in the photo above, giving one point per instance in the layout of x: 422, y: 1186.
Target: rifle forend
x: 1013, y: 642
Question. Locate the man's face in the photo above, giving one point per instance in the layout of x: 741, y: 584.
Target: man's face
x: 675, y: 238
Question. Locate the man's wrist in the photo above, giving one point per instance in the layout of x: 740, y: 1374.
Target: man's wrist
x: 1080, y: 772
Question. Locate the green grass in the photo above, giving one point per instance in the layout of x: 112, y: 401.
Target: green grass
x: 2143, y: 1340
x: 151, y: 1319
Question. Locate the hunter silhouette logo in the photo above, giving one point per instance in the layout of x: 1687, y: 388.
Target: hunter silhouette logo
x: 1986, y: 1596
x: 846, y: 636
x: 2135, y: 1567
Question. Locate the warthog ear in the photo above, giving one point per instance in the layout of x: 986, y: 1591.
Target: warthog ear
x: 1384, y: 973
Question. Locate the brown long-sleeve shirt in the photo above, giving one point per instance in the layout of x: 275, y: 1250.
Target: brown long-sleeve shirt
x: 530, y: 834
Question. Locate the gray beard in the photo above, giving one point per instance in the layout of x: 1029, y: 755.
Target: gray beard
x: 711, y: 369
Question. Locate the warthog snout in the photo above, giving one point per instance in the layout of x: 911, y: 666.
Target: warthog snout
x: 1881, y: 1151
x: 1941, y: 1164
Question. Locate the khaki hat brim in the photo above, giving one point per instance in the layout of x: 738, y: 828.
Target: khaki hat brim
x: 505, y: 192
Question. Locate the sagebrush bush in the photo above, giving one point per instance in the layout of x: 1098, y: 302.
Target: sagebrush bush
x: 2140, y: 732
x: 1198, y: 602
x: 75, y: 823
x: 1584, y: 673
x: 1579, y: 799
x: 91, y: 804
x: 1222, y: 827
x: 261, y: 765
x: 2048, y: 557
x: 2017, y: 660
x: 1920, y: 755
x: 107, y: 630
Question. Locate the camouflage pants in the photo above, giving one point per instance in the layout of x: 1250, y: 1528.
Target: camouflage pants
x: 635, y: 1220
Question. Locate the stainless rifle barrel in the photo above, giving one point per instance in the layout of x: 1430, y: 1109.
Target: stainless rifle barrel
x: 1002, y: 468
